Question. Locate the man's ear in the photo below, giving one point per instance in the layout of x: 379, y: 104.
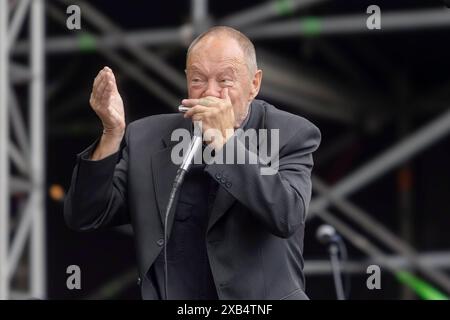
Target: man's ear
x: 256, y: 84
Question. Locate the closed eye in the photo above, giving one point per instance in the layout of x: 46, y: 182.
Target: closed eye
x: 227, y: 82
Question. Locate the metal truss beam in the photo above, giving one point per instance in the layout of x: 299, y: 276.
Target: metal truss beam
x: 389, y: 159
x: 382, y: 234
x: 26, y: 153
x: 4, y: 150
x: 266, y: 11
x: 437, y: 260
x: 355, y: 23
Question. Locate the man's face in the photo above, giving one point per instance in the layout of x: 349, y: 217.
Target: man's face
x: 218, y: 62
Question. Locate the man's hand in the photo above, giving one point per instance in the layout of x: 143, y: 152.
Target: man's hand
x: 214, y: 113
x: 106, y: 102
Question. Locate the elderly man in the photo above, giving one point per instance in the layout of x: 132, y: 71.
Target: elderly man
x: 235, y: 233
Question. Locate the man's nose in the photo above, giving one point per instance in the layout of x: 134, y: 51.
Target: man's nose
x: 213, y: 89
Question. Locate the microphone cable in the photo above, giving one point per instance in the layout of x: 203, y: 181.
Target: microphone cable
x: 175, y: 187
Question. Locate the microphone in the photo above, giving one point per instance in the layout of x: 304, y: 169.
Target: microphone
x: 194, y: 146
x: 327, y: 234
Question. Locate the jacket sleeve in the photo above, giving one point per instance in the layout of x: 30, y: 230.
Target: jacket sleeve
x: 280, y: 200
x: 97, y: 197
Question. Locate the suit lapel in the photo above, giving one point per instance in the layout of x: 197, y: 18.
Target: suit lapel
x: 224, y: 200
x: 164, y: 172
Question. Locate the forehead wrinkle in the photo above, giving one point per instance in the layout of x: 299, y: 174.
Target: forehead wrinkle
x: 229, y: 64
x: 202, y: 52
x: 194, y: 68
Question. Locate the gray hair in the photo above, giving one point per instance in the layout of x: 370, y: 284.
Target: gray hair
x: 244, y: 42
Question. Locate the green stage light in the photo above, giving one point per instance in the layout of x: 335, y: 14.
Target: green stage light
x: 423, y: 289
x: 87, y: 42
x: 311, y: 26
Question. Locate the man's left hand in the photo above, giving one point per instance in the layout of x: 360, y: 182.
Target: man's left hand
x: 214, y: 113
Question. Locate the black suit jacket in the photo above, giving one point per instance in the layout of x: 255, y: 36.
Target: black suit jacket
x: 256, y: 227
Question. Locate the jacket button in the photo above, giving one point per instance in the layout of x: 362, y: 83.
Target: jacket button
x: 218, y: 175
x: 228, y: 185
x: 223, y: 180
x: 160, y: 242
x: 138, y: 281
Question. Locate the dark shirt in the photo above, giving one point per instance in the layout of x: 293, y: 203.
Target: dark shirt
x: 190, y: 276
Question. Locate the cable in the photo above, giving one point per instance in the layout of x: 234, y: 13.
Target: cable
x: 344, y: 259
x: 176, y: 185
x: 336, y: 271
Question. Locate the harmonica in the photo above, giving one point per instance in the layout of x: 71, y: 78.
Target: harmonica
x: 182, y: 108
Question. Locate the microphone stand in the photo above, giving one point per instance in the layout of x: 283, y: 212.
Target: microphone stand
x: 327, y: 235
x: 333, y: 250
